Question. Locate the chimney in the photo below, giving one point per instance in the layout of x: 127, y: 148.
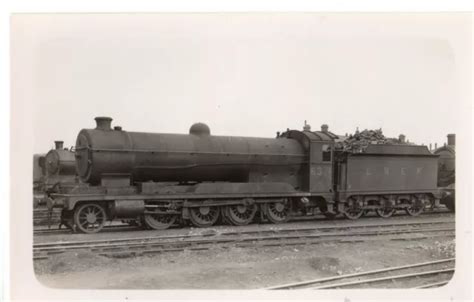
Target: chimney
x: 58, y: 145
x: 401, y: 138
x: 451, y: 139
x: 436, y: 146
x: 103, y: 123
x: 324, y: 128
x: 431, y: 147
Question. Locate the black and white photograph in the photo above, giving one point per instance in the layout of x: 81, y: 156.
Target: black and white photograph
x: 292, y: 154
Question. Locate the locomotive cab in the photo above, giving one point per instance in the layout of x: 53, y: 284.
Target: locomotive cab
x: 318, y: 177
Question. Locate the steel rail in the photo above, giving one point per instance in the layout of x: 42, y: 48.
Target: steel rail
x: 107, y: 228
x: 179, y: 246
x: 210, y: 245
x: 340, y: 277
x: 142, y: 244
x: 435, y: 284
x: 295, y: 230
x: 375, y: 280
x: 46, y: 231
x: 41, y: 220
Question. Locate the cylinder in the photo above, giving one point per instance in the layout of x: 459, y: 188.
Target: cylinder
x: 127, y: 208
x: 180, y: 157
x: 451, y: 139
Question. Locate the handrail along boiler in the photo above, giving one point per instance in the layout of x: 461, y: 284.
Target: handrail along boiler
x: 159, y: 179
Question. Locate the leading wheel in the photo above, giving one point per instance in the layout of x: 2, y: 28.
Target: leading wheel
x: 240, y: 214
x: 276, y: 212
x: 159, y: 221
x: 90, y: 218
x: 203, y: 216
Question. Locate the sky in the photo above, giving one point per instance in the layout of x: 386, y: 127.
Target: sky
x: 242, y: 74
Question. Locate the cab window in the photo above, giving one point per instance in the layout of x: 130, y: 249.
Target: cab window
x: 326, y: 152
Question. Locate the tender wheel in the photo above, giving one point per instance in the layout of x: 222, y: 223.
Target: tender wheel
x: 240, y: 214
x: 159, y: 221
x: 204, y: 216
x: 415, y: 207
x: 385, y: 212
x: 90, y: 218
x: 387, y: 209
x: 276, y: 212
x: 353, y: 209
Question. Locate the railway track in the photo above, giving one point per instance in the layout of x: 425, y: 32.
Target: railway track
x: 418, y: 275
x: 252, y: 238
x: 41, y: 216
x: 110, y: 228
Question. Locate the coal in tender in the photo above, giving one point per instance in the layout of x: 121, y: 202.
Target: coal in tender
x: 360, y: 140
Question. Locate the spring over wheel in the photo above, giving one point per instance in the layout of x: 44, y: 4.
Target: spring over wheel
x: 90, y: 218
x: 204, y: 216
x: 159, y: 221
x: 276, y: 212
x: 240, y: 214
x: 353, y: 210
x: 415, y: 207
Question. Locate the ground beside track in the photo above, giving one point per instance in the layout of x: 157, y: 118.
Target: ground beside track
x: 235, y: 268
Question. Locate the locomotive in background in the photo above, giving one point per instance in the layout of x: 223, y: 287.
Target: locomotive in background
x: 52, y: 170
x: 159, y: 179
x: 447, y: 171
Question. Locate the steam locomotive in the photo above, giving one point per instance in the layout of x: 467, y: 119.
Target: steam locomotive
x: 51, y: 170
x: 447, y: 171
x: 159, y: 178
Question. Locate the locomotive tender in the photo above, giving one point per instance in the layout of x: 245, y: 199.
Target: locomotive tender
x: 198, y: 177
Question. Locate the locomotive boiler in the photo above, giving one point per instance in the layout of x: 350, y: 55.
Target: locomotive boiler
x: 160, y: 179
x: 59, y: 163
x: 106, y: 154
